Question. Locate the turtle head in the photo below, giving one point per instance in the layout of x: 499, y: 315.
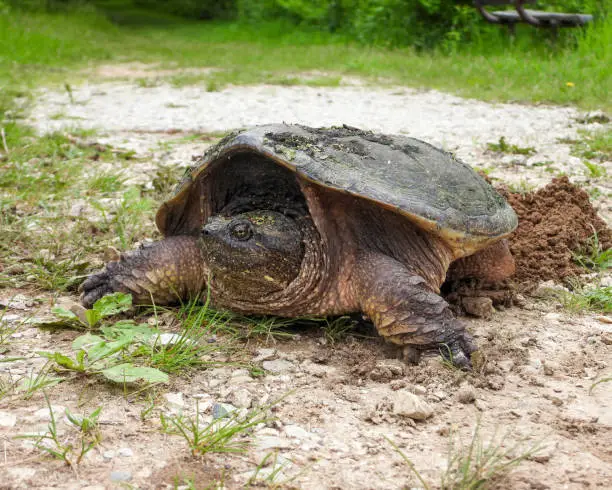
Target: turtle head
x: 252, y: 254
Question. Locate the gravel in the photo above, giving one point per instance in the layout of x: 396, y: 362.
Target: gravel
x: 460, y: 125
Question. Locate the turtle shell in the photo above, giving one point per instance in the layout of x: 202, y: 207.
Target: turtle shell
x: 427, y: 185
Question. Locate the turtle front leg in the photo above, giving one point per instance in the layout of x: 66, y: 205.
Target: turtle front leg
x: 407, y: 311
x: 164, y: 273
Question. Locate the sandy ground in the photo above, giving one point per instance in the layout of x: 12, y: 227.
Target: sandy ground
x: 345, y: 401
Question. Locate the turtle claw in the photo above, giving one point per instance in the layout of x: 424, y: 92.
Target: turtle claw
x: 95, y: 287
x: 459, y: 351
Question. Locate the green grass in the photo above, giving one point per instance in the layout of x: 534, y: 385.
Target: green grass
x: 588, y: 299
x: 502, y: 146
x: 52, y: 47
x: 594, y: 145
x: 72, y: 449
x: 593, y: 256
x: 223, y: 435
x: 479, y: 464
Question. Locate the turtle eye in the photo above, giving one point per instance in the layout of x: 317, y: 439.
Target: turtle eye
x: 241, y: 231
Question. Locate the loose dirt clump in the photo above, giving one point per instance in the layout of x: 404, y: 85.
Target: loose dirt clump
x: 555, y: 222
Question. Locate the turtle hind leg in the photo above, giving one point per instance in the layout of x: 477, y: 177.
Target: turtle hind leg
x: 407, y: 311
x: 164, y: 272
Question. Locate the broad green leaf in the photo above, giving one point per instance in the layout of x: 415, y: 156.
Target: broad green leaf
x: 93, y: 317
x: 112, y: 304
x: 60, y: 312
x: 128, y: 373
x: 105, y: 349
x: 62, y: 360
x: 86, y: 341
x: 141, y: 332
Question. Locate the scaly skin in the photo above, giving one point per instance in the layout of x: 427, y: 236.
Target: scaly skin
x: 162, y: 273
x: 406, y: 310
x: 284, y: 266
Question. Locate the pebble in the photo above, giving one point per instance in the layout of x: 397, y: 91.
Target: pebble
x: 544, y: 454
x: 175, y: 401
x: 167, y: 338
x: 9, y: 318
x: 418, y: 390
x: 21, y: 473
x: 7, y: 419
x: 550, y: 367
x: 264, y: 354
x: 44, y: 415
x: 125, y: 452
x: 17, y: 302
x: 278, y: 366
x: 272, y: 442
x: 317, y: 370
x: 221, y: 410
x: 120, y: 476
x: 466, y: 394
x: 241, y: 398
x: 297, y: 432
x: 108, y: 455
x: 409, y: 405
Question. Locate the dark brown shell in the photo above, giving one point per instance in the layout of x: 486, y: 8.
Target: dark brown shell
x: 427, y: 185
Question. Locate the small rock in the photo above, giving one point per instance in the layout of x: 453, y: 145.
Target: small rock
x: 439, y: 395
x: 481, y: 406
x: 495, y: 382
x: 519, y: 300
x: 21, y: 473
x: 409, y: 405
x: 544, y: 288
x: 44, y: 415
x: 318, y: 370
x: 7, y: 419
x: 544, y: 454
x: 17, y: 302
x: 418, y: 390
x: 79, y: 208
x: 278, y: 366
x: 387, y: 369
x: 239, y: 373
x: 264, y: 354
x: 398, y: 384
x: 481, y: 307
x: 126, y: 452
x: 108, y: 455
x: 506, y: 365
x: 9, y: 318
x: 221, y: 410
x: 241, y: 398
x: 15, y: 269
x: 167, y: 338
x: 175, y: 401
x: 296, y: 432
x: 120, y: 476
x: 272, y: 442
x: 466, y: 394
x: 550, y: 367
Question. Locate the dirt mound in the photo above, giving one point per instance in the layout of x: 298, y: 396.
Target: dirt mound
x: 554, y: 222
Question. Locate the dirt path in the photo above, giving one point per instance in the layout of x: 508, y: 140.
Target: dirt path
x: 345, y: 400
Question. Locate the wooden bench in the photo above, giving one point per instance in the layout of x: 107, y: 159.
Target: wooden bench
x: 535, y: 18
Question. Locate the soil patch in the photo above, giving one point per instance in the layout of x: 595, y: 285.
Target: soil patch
x: 554, y: 222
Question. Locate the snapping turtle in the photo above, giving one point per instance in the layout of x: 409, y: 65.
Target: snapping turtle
x: 290, y: 220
